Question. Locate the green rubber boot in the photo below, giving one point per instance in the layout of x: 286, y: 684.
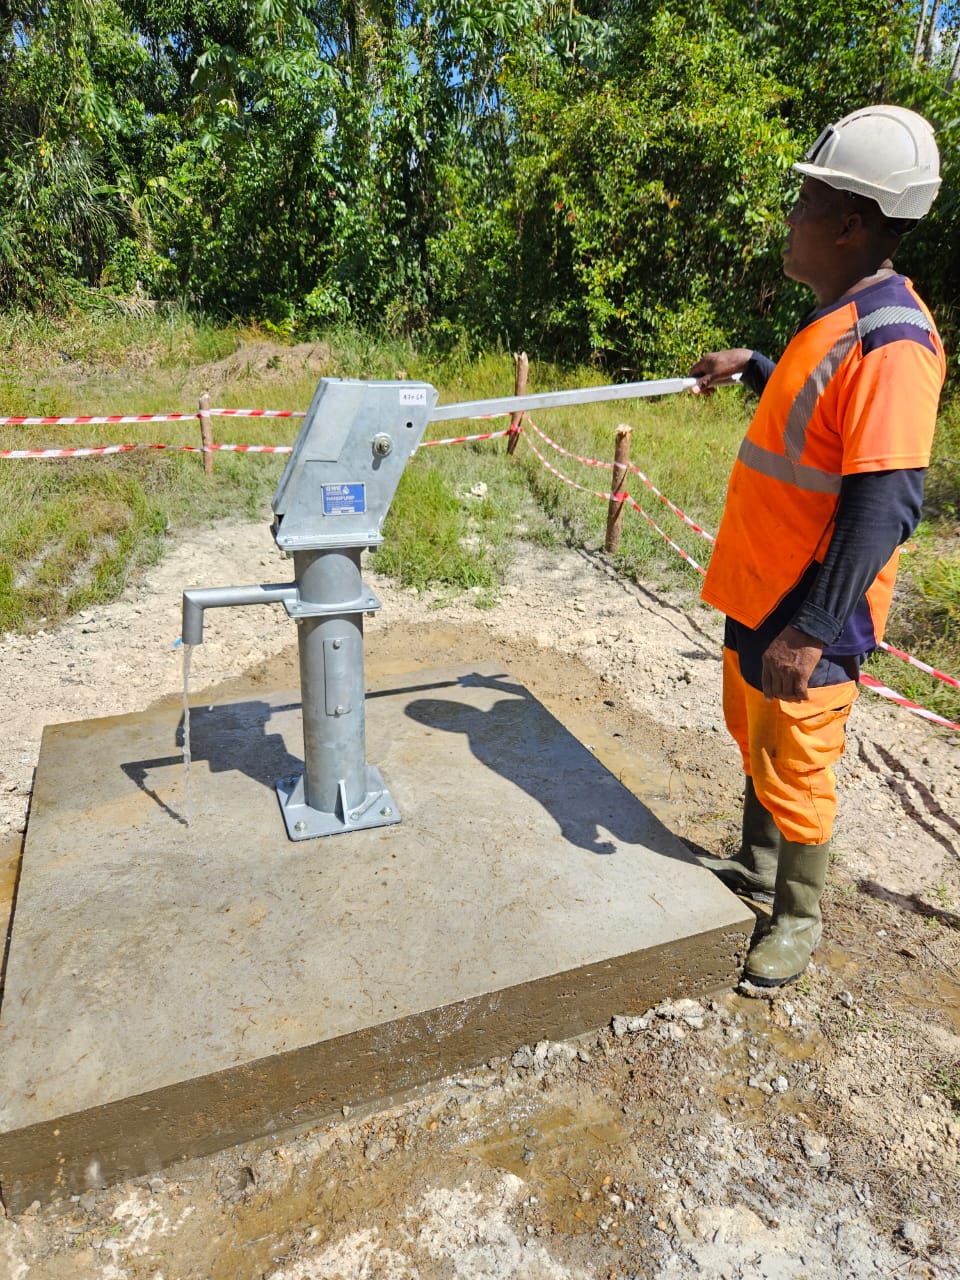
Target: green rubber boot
x: 753, y: 872
x: 784, y: 952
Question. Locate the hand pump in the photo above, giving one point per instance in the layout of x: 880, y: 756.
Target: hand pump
x: 331, y: 503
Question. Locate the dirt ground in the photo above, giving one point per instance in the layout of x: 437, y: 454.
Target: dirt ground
x: 815, y: 1133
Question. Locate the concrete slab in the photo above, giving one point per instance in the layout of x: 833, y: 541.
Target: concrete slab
x: 173, y: 989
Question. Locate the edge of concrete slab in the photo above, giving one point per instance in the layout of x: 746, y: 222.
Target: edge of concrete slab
x: 137, y: 1135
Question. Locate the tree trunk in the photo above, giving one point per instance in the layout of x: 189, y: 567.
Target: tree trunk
x: 921, y: 25
x: 932, y: 30
x: 954, y: 70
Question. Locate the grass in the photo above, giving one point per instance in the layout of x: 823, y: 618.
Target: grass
x: 925, y: 618
x: 682, y: 445
x: 72, y: 531
x: 947, y: 1081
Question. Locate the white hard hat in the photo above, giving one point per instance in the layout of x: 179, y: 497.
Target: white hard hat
x: 888, y: 154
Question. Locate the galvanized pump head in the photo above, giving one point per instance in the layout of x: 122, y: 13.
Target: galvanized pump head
x: 355, y: 441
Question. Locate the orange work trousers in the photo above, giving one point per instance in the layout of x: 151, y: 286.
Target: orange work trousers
x: 788, y: 749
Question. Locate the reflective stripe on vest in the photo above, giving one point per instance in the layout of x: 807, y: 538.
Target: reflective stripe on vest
x: 894, y: 315
x: 787, y: 466
x: 779, y: 467
x: 801, y: 411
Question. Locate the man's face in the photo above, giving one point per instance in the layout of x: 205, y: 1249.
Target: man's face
x: 815, y: 222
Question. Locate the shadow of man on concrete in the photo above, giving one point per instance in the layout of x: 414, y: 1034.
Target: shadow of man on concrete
x: 519, y: 739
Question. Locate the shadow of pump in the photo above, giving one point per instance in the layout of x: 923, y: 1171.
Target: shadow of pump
x: 519, y: 739
x: 516, y: 737
x: 232, y: 737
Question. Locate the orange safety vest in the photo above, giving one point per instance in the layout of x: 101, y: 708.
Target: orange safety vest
x: 856, y: 390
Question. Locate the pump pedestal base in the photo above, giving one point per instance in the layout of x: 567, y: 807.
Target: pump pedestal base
x: 175, y: 989
x: 377, y: 809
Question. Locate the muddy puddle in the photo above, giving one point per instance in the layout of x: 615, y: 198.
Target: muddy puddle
x: 557, y: 1149
x: 903, y: 988
x: 588, y: 1150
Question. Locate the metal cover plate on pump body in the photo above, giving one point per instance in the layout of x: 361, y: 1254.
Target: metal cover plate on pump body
x: 347, y: 461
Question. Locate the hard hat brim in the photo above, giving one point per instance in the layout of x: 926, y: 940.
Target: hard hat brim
x: 914, y: 202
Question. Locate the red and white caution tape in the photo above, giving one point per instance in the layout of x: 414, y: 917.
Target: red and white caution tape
x: 244, y: 448
x: 595, y: 462
x: 100, y: 450
x: 616, y: 497
x: 114, y: 418
x: 587, y: 462
x: 877, y: 686
x: 254, y: 413
x: 487, y: 435
x: 915, y: 662
x: 88, y: 452
x: 95, y: 450
x: 668, y: 540
x: 88, y: 421
x: 675, y: 509
x: 609, y: 497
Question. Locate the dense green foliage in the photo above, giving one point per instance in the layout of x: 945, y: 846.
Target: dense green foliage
x: 603, y: 180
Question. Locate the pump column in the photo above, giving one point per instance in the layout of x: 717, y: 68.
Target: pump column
x: 338, y: 791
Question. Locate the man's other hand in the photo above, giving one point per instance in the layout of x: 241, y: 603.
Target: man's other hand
x: 788, y: 664
x: 717, y: 368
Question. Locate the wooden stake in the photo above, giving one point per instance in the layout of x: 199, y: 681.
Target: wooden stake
x: 621, y: 457
x: 206, y: 433
x: 521, y: 367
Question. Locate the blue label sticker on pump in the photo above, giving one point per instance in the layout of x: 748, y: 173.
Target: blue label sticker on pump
x: 344, y: 499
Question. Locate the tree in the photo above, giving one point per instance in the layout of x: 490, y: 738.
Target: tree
x: 602, y: 180
x: 69, y: 72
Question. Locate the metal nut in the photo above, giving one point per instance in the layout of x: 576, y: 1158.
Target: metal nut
x: 382, y: 444
x: 300, y: 827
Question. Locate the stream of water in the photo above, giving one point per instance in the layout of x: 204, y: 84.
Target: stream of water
x: 187, y: 793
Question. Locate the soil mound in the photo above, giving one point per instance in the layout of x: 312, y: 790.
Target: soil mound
x: 267, y: 361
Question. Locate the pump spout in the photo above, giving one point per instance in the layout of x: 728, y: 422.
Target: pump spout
x: 197, y: 599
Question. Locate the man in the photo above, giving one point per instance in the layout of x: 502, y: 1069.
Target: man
x: 827, y: 484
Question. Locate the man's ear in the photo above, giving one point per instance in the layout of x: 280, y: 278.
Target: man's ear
x: 853, y: 229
